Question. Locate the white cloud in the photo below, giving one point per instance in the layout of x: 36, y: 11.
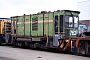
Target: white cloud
x: 10, y: 8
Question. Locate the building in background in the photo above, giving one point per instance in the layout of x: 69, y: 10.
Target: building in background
x: 87, y: 23
x: 84, y: 8
x: 83, y: 28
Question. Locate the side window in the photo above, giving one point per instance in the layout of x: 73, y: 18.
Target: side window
x: 56, y: 23
x: 61, y: 23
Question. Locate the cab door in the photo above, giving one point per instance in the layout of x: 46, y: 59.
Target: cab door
x: 57, y: 30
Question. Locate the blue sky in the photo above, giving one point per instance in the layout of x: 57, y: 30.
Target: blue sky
x: 10, y: 8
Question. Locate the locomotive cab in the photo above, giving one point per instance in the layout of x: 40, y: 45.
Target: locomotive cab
x: 71, y: 41
x: 66, y: 25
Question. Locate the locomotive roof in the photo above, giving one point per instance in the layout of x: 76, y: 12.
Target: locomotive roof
x: 49, y: 12
x: 72, y: 11
x: 5, y: 19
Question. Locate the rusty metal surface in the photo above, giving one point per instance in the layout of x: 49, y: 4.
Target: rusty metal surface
x: 85, y: 22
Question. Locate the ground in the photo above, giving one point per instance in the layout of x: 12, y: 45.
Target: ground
x: 9, y: 53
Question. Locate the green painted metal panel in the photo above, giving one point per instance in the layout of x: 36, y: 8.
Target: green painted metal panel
x: 46, y: 27
x: 69, y: 13
x: 40, y: 25
x: 51, y: 26
x: 27, y: 25
x: 20, y: 26
x: 58, y: 13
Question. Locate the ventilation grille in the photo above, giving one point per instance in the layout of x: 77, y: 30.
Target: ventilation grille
x: 35, y: 23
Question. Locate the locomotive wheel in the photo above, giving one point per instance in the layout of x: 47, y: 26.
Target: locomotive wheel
x: 31, y: 45
x: 81, y: 47
x: 34, y: 45
x: 19, y: 44
x: 0, y: 44
x: 43, y: 47
x: 23, y: 44
x: 82, y: 51
x: 14, y: 43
